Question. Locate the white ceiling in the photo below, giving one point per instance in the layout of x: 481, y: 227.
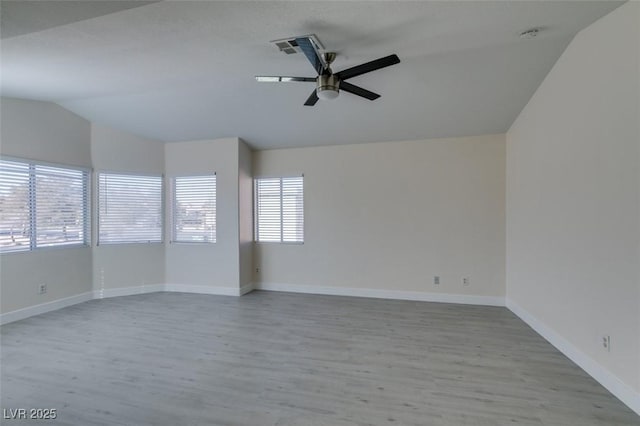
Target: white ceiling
x: 182, y: 70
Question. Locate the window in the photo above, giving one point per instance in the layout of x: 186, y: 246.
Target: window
x: 129, y: 208
x: 279, y: 210
x: 194, y: 209
x: 42, y: 206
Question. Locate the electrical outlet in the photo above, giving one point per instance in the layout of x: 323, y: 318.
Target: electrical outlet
x: 42, y: 289
x: 257, y: 270
x: 606, y: 342
x: 465, y: 281
x: 436, y: 280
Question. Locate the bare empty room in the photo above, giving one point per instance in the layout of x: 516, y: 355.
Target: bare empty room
x: 320, y: 213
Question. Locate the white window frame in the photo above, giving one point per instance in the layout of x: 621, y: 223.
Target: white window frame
x: 162, y: 207
x: 33, y: 211
x: 174, y: 212
x: 256, y: 211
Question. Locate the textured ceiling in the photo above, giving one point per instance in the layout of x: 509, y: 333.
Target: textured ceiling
x: 20, y: 17
x: 181, y: 70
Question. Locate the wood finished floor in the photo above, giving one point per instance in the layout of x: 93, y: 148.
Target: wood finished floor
x: 288, y: 359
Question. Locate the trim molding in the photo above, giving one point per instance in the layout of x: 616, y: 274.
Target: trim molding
x: 105, y: 293
x: 202, y: 289
x: 247, y: 288
x: 44, y: 307
x: 466, y: 299
x: 127, y: 291
x: 611, y: 382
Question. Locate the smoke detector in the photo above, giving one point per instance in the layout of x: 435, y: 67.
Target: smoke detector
x: 529, y: 34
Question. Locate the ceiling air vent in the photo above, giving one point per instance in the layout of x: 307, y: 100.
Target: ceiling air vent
x: 289, y: 45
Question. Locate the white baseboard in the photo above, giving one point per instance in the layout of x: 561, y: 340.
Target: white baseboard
x: 385, y: 294
x: 234, y: 291
x: 127, y: 291
x: 611, y: 382
x: 247, y: 288
x: 117, y: 292
x: 44, y: 307
x: 203, y: 289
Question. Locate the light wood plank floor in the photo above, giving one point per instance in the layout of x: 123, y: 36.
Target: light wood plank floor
x: 287, y: 359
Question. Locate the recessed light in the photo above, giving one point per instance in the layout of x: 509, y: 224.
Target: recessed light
x: 529, y: 34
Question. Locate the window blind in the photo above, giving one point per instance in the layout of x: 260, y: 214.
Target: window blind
x: 15, y: 206
x: 279, y: 209
x: 42, y: 206
x: 61, y: 200
x: 194, y: 209
x: 129, y: 208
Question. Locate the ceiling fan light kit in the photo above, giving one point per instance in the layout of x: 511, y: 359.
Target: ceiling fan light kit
x: 328, y: 87
x: 328, y: 84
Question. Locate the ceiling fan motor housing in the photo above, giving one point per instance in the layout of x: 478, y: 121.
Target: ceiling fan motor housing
x: 328, y: 86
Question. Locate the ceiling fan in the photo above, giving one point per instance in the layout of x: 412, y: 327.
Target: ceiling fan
x: 328, y: 83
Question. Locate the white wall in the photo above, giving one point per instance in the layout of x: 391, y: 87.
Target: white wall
x: 573, y: 203
x: 125, y: 265
x: 46, y: 132
x: 209, y: 265
x: 390, y: 216
x: 245, y: 213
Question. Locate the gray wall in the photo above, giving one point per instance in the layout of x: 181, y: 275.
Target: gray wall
x: 573, y: 201
x: 45, y: 132
x: 392, y: 215
x: 208, y: 265
x: 245, y: 213
x: 125, y: 265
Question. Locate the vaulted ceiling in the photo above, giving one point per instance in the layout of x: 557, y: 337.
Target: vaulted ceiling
x: 182, y: 70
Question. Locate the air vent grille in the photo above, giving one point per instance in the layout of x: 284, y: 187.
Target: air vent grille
x: 289, y: 45
x: 286, y: 47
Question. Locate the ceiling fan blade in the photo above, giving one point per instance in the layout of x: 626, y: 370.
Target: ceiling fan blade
x: 368, y: 67
x: 357, y: 90
x: 312, y: 99
x: 283, y: 79
x: 309, y: 50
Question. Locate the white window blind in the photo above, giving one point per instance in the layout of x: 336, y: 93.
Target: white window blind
x: 42, y: 206
x: 129, y: 208
x: 279, y: 209
x: 15, y: 206
x: 61, y: 214
x: 194, y: 209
